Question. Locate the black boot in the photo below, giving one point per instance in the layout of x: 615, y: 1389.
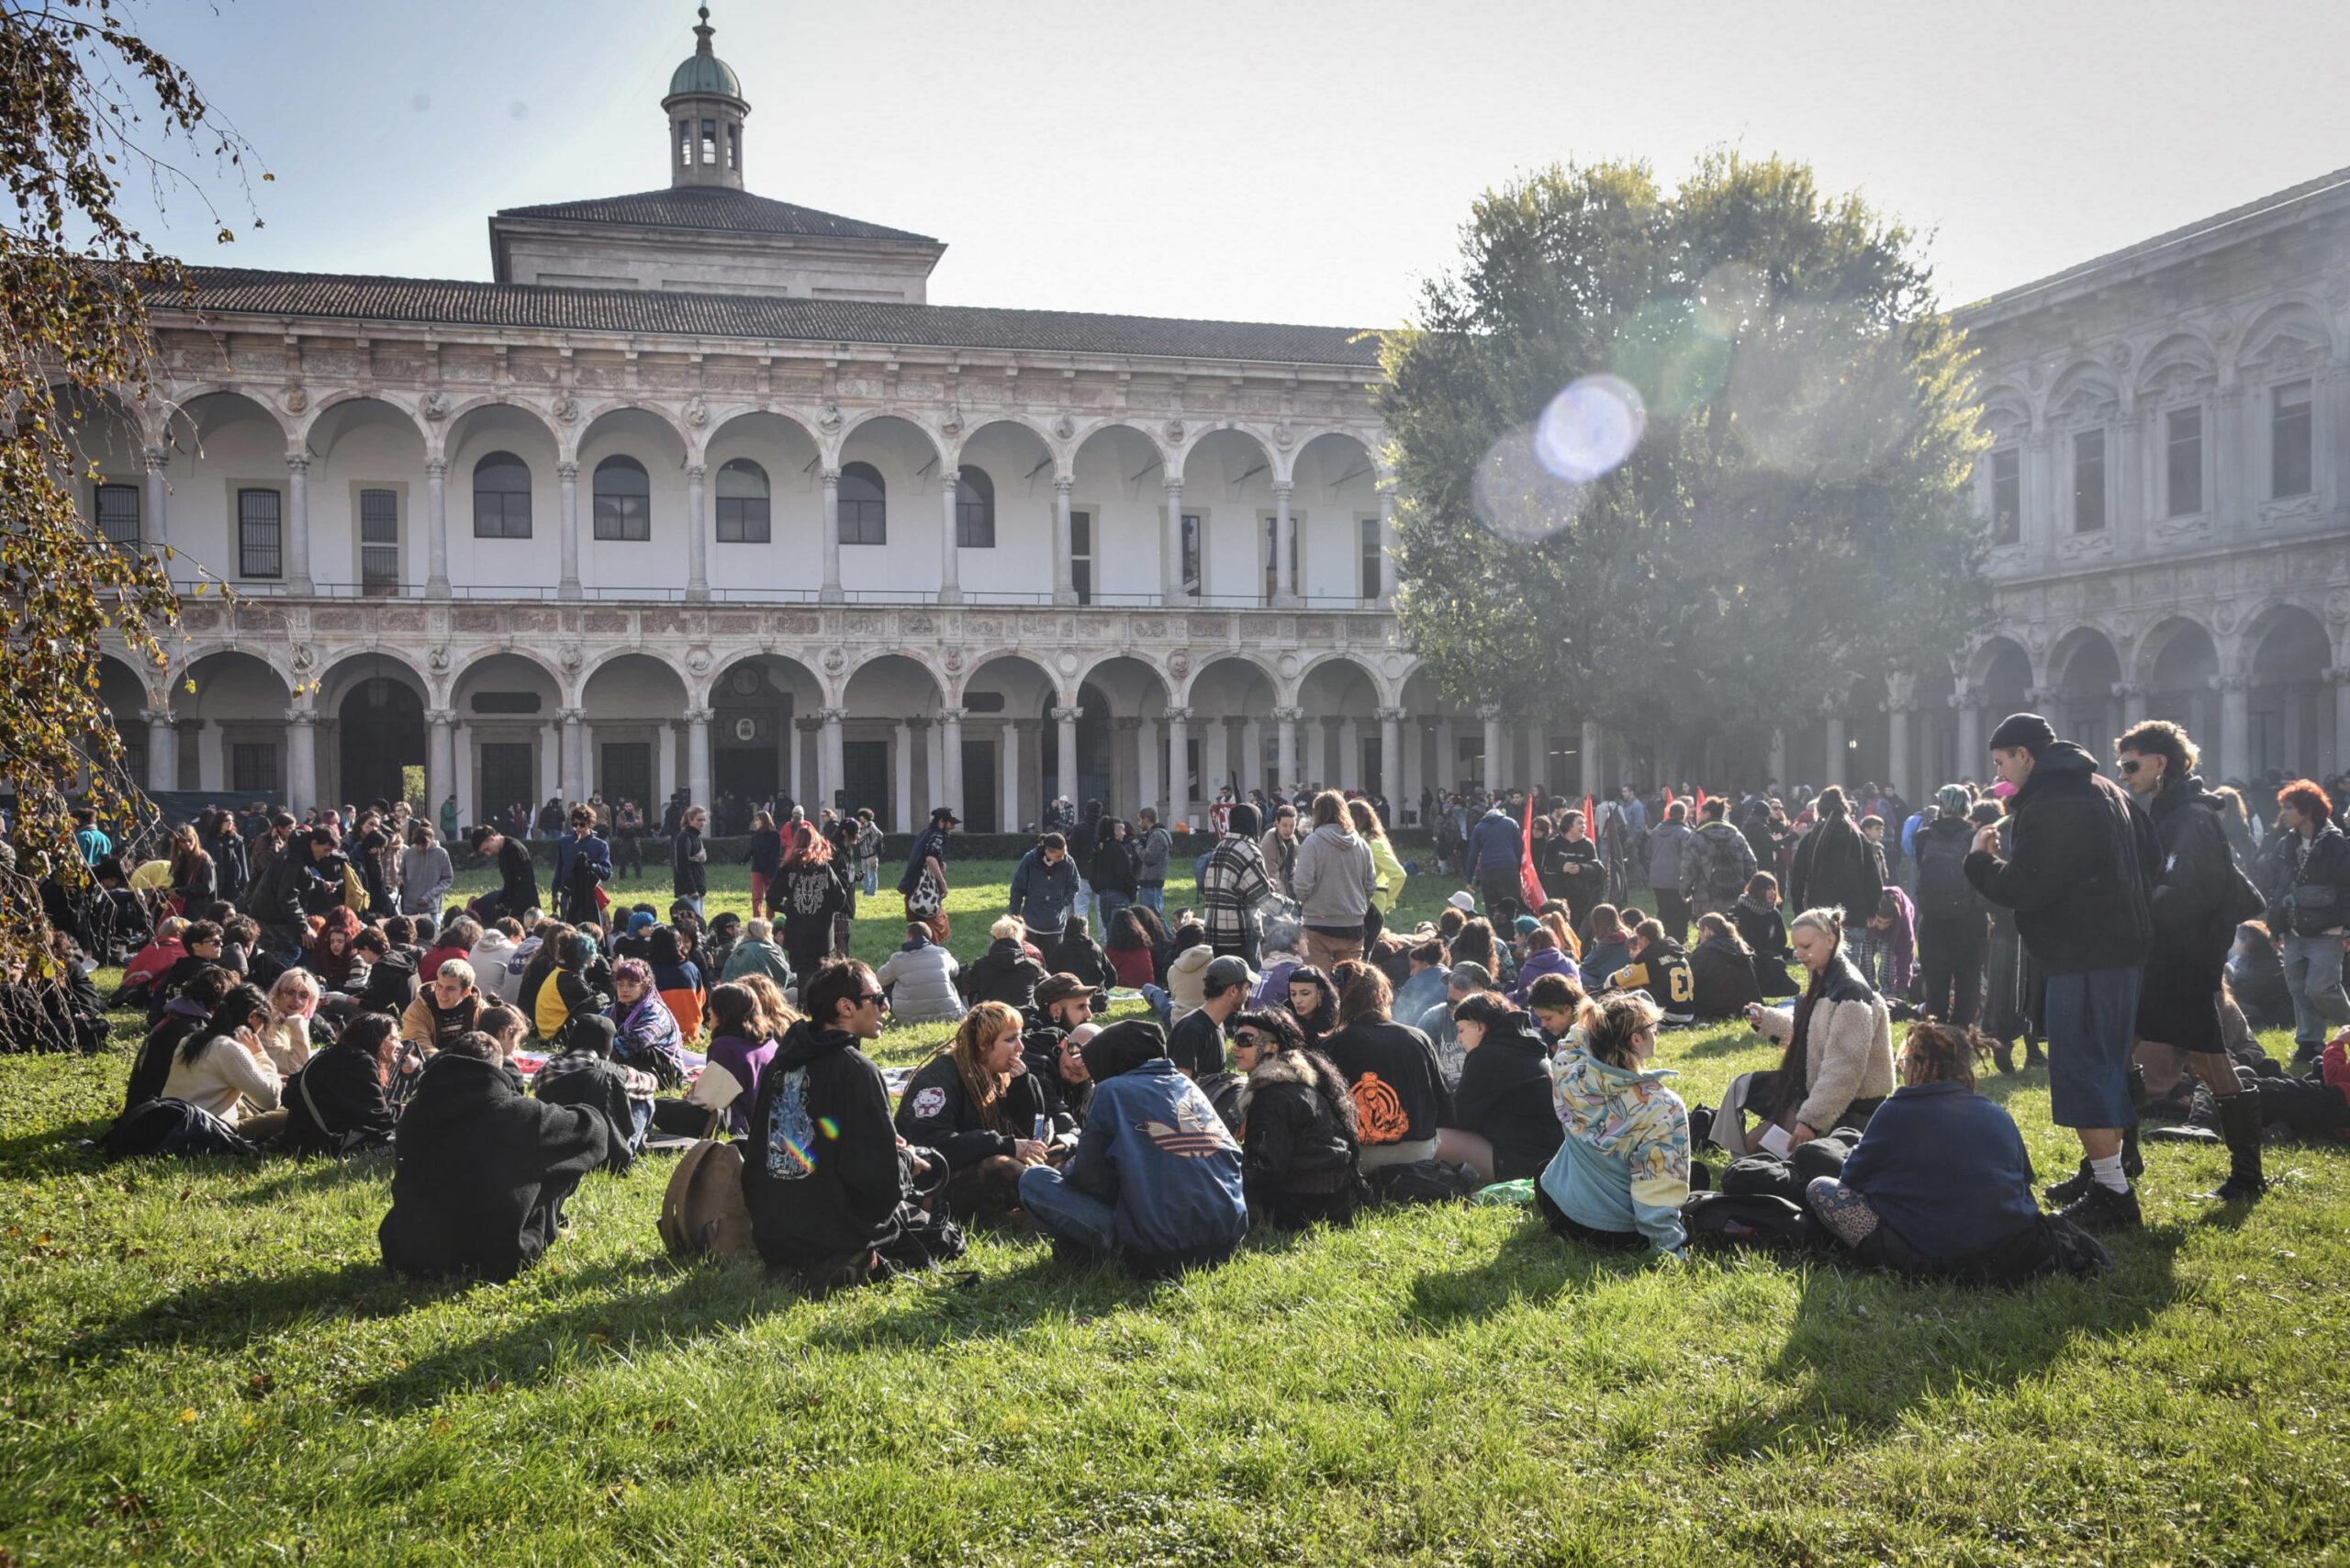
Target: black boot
x: 2103, y: 1209
x: 2071, y: 1189
x: 2240, y: 1124
x: 2004, y: 1053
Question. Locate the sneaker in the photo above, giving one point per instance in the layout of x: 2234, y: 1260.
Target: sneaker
x: 2071, y: 1189
x: 2102, y: 1209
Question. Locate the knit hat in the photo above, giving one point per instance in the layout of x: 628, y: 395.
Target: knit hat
x: 1951, y: 799
x: 590, y: 1032
x: 1123, y: 1046
x: 1246, y: 821
x: 2023, y: 732
x: 1526, y: 926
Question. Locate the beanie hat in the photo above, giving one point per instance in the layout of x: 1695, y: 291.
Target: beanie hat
x: 1951, y: 799
x: 1123, y: 1046
x: 2023, y: 732
x: 1245, y: 822
x: 1526, y: 926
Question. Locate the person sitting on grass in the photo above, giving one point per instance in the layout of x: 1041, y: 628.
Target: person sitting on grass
x: 757, y: 954
x: 1607, y: 947
x: 223, y: 1072
x: 1940, y: 1184
x: 1129, y: 952
x: 975, y: 1104
x: 1502, y: 1124
x: 1837, y: 1066
x: 186, y: 1017
x: 1423, y: 985
x: 202, y: 942
x: 920, y: 978
x: 1196, y: 1045
x: 645, y: 1035
x: 741, y: 1044
x: 1313, y: 1003
x: 1400, y: 1095
x: 1659, y: 966
x: 1296, y: 1122
x: 508, y: 1027
x: 1543, y: 956
x: 1622, y: 1169
x: 584, y: 1073
x: 676, y: 975
x: 481, y: 1170
x: 336, y: 1103
x: 825, y: 1170
x: 1155, y: 1182
x: 1721, y: 971
x: 449, y: 1007
x: 1764, y: 931
x: 152, y: 962
x: 1077, y: 954
x: 1005, y: 972
x: 1556, y: 1003
x: 565, y: 993
x: 293, y: 1003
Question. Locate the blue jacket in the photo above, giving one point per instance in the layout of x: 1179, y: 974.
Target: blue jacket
x: 1946, y: 1168
x: 598, y: 853
x: 1043, y: 895
x: 1496, y: 846
x: 1155, y: 1150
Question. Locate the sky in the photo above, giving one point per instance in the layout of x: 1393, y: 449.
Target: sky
x: 1304, y: 161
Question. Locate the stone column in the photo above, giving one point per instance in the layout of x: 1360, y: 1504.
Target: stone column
x: 950, y: 563
x: 1496, y: 752
x: 1063, y: 583
x: 1387, y: 547
x: 1317, y: 753
x: 1594, y: 769
x: 301, y: 760
x: 2132, y: 696
x: 801, y: 728
x: 159, y: 496
x: 2340, y: 675
x: 461, y: 736
x: 1172, y: 546
x: 696, y: 530
x: 1285, y: 747
x: 1900, y: 701
x: 436, y: 522
x: 1779, y: 757
x: 1538, y: 757
x: 1447, y: 757
x: 1972, y: 762
x: 440, y: 760
x: 831, y: 593
x: 1350, y: 768
x: 1833, y: 772
x: 950, y: 746
x: 1067, y: 719
x: 162, y: 750
x: 1015, y: 736
x: 665, y: 768
x: 575, y: 747
x: 566, y: 474
x: 1390, y: 756
x: 2235, y: 726
x: 1284, y: 547
x: 901, y: 770
x: 829, y: 756
x: 1178, y: 766
x: 1252, y: 756
x: 698, y: 790
x: 933, y: 769
x: 297, y: 522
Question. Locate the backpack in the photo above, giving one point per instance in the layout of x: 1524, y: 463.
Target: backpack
x: 172, y: 1127
x: 1731, y: 1219
x: 702, y: 1213
x: 1942, y: 888
x: 1423, y: 1181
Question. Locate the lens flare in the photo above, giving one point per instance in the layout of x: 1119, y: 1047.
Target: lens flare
x: 1517, y: 496
x: 1674, y: 362
x: 1590, y: 429
x: 1731, y: 296
x: 1820, y: 393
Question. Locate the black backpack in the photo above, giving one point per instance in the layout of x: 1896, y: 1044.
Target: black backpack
x: 1942, y: 887
x: 1733, y: 1219
x: 1423, y: 1181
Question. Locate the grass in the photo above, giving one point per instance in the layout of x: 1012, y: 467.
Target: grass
x: 207, y: 1361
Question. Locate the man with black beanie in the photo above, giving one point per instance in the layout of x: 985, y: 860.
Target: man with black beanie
x: 2080, y: 875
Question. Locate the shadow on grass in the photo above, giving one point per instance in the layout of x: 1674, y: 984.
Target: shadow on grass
x: 1534, y: 1263
x: 296, y: 1177
x: 50, y: 1152
x: 226, y: 1314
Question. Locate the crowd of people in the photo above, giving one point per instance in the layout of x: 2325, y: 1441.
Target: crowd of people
x: 313, y: 988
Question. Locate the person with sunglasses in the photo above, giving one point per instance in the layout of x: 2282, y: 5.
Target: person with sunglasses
x: 1300, y: 1145
x: 825, y: 1171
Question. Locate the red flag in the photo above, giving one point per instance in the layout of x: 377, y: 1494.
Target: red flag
x: 1668, y: 797
x: 1701, y: 803
x: 1590, y: 821
x: 1529, y: 886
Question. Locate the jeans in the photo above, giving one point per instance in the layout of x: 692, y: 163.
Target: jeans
x: 2313, y: 975
x: 1162, y: 1004
x: 1110, y: 900
x: 873, y: 880
x: 1083, y: 908
x: 1153, y: 896
x: 1066, y: 1213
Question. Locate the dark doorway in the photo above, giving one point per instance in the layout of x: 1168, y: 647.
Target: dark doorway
x: 381, y: 728
x: 508, y: 779
x: 746, y: 775
x: 1092, y: 752
x: 981, y: 781
x: 626, y: 772
x: 865, y: 778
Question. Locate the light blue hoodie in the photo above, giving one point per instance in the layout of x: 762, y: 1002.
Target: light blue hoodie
x: 1625, y: 1163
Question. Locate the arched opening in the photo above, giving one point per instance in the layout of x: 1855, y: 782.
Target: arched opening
x: 623, y: 499
x: 363, y: 530
x: 230, y: 491
x: 378, y: 709
x: 2293, y: 717
x: 234, y: 722
x: 1228, y: 479
x: 2180, y: 661
x: 509, y: 741
x: 1436, y: 732
x: 504, y: 498
x: 758, y: 747
x: 1338, y: 741
x: 1006, y: 781
x: 1336, y: 489
x: 743, y: 503
x: 1232, y: 704
x: 974, y: 509
x: 2086, y: 671
x: 1095, y: 779
x: 1015, y: 474
x: 124, y: 696
x: 864, y: 505
x: 1116, y: 519
x: 634, y: 706
x: 893, y: 704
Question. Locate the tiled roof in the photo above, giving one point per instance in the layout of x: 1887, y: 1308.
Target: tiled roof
x: 234, y: 291
x: 712, y: 207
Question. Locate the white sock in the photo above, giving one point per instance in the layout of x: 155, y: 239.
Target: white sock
x: 2107, y: 1172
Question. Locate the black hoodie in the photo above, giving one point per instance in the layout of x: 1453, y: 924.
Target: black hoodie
x: 1298, y: 1132
x: 2081, y: 868
x: 822, y: 1174
x: 1504, y: 1097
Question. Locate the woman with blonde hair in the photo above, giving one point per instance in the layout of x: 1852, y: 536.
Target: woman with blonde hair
x: 1837, y: 1066
x: 776, y: 1013
x: 293, y: 998
x: 974, y: 1104
x: 1622, y: 1171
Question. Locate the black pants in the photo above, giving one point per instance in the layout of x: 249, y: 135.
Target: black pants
x: 680, y: 1119
x: 1498, y: 889
x: 1673, y: 913
x: 1568, y: 1230
x: 1951, y: 954
x: 2312, y: 1110
x: 1373, y: 922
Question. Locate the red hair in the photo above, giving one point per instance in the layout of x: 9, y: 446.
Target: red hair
x: 2305, y: 797
x: 809, y: 847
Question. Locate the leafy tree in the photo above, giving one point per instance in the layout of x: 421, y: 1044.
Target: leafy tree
x: 1793, y: 519
x: 84, y: 103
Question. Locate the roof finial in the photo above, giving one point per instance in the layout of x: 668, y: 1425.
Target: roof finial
x: 702, y: 32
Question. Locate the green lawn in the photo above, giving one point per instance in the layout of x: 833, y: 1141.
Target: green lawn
x: 207, y: 1361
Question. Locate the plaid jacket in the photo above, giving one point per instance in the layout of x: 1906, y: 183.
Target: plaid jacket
x: 1231, y: 885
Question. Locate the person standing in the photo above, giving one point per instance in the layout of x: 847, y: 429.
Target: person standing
x: 1279, y: 847
x: 1111, y: 872
x: 688, y: 859
x: 2078, y: 874
x: 1335, y: 878
x: 1716, y: 864
x: 1233, y: 886
x: 2178, y: 994
x: 1044, y: 886
x: 924, y: 886
x: 583, y: 863
x: 425, y: 873
x: 2312, y: 913
x: 1952, y: 927
x: 1836, y: 865
x: 1153, y: 847
x: 1496, y: 849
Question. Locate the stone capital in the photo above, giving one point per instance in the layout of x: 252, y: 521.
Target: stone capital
x: 1174, y: 485
x: 1179, y: 715
x: 440, y: 716
x: 567, y: 471
x: 1900, y: 691
x: 1067, y: 715
x: 2338, y: 673
x: 1063, y: 484
x: 1489, y: 711
x: 697, y: 472
x: 831, y: 477
x: 436, y: 468
x: 1963, y: 696
x: 571, y: 715
x: 2231, y: 683
x: 1391, y: 715
x: 2039, y: 697
x: 700, y: 715
x: 1288, y: 715
x: 301, y: 716
x: 156, y: 715
x: 158, y: 458
x: 830, y: 717
x: 297, y: 462
x: 953, y: 715
x: 2126, y: 689
x: 1284, y: 487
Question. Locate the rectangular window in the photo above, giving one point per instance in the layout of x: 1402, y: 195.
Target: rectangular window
x: 685, y: 142
x: 1372, y: 555
x: 260, y: 539
x: 1195, y: 560
x: 2089, y: 481
x: 2183, y: 445
x: 252, y: 768
x: 974, y: 521
x: 1080, y: 554
x: 118, y: 512
x: 379, y: 543
x: 625, y: 518
x: 2006, y: 496
x: 2289, y: 441
x: 742, y: 519
x: 735, y: 148
x: 710, y: 141
x: 626, y: 773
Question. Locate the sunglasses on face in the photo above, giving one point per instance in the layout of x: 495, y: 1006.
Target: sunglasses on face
x: 1250, y: 1041
x: 2130, y: 766
x: 871, y: 999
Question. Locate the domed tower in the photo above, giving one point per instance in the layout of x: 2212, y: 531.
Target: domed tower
x: 705, y: 112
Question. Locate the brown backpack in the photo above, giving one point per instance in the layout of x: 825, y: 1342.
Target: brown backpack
x: 702, y: 1214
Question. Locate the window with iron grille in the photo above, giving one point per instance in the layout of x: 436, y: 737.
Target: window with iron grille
x: 1195, y: 560
x: 975, y: 510
x: 118, y: 510
x: 252, y: 768
x: 261, y: 534
x: 864, y: 505
x: 379, y: 543
x: 1080, y: 554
